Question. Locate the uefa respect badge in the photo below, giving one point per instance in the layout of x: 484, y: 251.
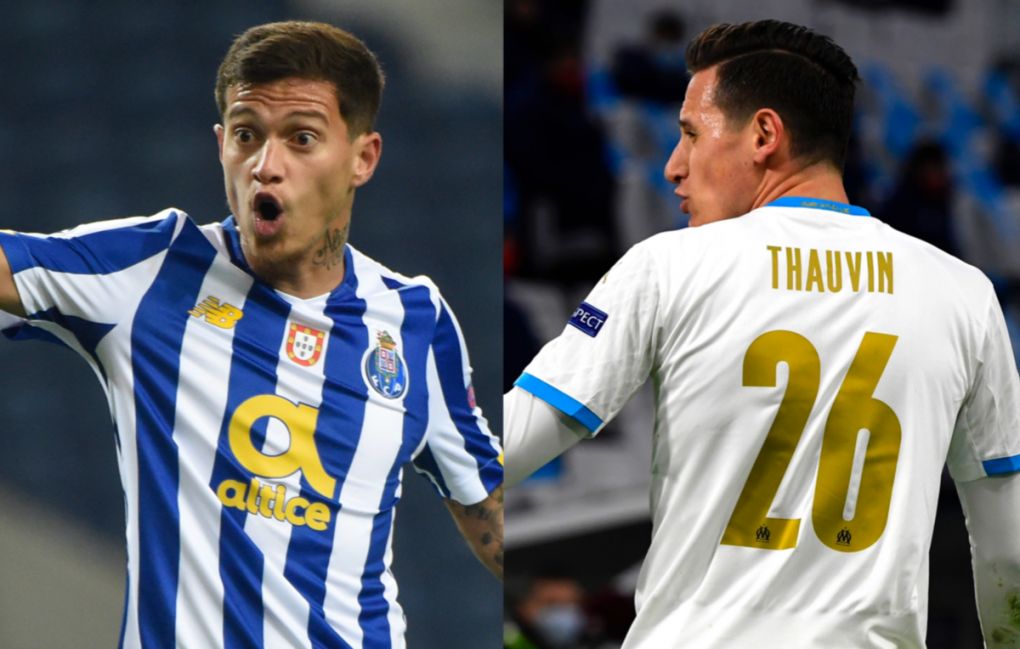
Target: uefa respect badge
x: 588, y: 319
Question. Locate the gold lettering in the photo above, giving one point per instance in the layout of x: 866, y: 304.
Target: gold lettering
x: 300, y: 420
x: 253, y: 493
x: 793, y: 269
x: 263, y: 500
x: 834, y: 270
x: 871, y: 272
x: 876, y: 264
x: 301, y: 454
x: 266, y: 500
x: 231, y: 493
x: 885, y: 274
x: 775, y: 265
x: 281, y: 495
x: 317, y: 516
x: 291, y: 510
x: 814, y: 273
x: 853, y: 263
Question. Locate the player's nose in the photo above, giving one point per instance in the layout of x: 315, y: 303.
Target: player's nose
x: 676, y: 167
x: 269, y: 165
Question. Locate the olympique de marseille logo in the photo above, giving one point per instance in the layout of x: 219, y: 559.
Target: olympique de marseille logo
x: 385, y: 371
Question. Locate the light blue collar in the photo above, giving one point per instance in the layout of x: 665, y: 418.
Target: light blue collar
x: 819, y: 204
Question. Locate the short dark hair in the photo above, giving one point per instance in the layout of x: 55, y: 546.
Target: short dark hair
x: 804, y: 76
x: 307, y: 50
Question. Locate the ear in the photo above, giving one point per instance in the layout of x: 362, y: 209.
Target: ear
x: 768, y: 132
x: 218, y: 130
x: 367, y: 151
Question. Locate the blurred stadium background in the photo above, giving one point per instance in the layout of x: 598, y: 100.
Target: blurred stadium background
x: 108, y: 112
x: 592, y: 92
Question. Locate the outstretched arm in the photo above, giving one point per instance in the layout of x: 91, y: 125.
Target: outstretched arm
x: 10, y: 301
x: 482, y: 526
x: 992, y: 509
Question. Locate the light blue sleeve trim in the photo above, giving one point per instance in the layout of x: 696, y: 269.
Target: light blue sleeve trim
x: 560, y: 400
x: 819, y: 204
x: 1002, y: 465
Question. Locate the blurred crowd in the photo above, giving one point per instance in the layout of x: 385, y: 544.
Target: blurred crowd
x: 586, y: 144
x: 551, y: 609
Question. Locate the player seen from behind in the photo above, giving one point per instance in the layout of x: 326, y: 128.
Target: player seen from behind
x: 813, y: 370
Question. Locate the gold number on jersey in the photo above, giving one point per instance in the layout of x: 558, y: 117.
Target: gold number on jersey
x: 853, y: 411
x: 856, y: 418
x: 750, y: 524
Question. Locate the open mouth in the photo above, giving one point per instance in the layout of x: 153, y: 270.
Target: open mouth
x: 267, y: 207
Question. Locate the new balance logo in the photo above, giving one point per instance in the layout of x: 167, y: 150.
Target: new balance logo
x: 222, y: 315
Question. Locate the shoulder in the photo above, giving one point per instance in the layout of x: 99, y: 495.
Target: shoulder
x: 215, y: 229
x: 952, y: 274
x: 167, y: 220
x: 686, y: 247
x: 216, y: 233
x: 98, y: 247
x: 702, y: 239
x: 375, y: 279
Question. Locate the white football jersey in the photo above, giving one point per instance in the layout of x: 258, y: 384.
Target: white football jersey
x: 814, y: 369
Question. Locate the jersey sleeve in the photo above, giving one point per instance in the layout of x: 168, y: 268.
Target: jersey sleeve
x: 986, y: 440
x: 86, y: 279
x: 606, y: 350
x: 461, y: 457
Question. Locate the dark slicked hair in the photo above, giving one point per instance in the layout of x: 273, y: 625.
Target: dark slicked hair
x: 805, y: 77
x: 307, y: 50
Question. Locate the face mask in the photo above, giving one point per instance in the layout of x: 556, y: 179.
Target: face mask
x: 560, y: 624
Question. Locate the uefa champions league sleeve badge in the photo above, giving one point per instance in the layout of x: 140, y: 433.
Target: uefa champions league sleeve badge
x: 384, y: 369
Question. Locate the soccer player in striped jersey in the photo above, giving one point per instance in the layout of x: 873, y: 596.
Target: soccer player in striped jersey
x: 813, y: 369
x: 268, y: 381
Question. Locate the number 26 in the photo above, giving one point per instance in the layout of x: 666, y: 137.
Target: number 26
x: 839, y: 526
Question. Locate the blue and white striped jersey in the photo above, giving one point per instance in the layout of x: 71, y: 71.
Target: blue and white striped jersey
x: 261, y: 437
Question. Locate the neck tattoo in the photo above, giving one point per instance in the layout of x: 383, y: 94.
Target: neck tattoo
x: 331, y: 254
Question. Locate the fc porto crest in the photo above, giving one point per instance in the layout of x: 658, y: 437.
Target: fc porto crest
x: 304, y: 344
x: 385, y: 371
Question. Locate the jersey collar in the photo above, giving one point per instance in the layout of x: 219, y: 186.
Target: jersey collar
x: 233, y: 238
x: 819, y: 204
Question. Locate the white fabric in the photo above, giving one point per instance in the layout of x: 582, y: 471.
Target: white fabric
x: 540, y: 433
x: 992, y: 510
x: 684, y: 308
